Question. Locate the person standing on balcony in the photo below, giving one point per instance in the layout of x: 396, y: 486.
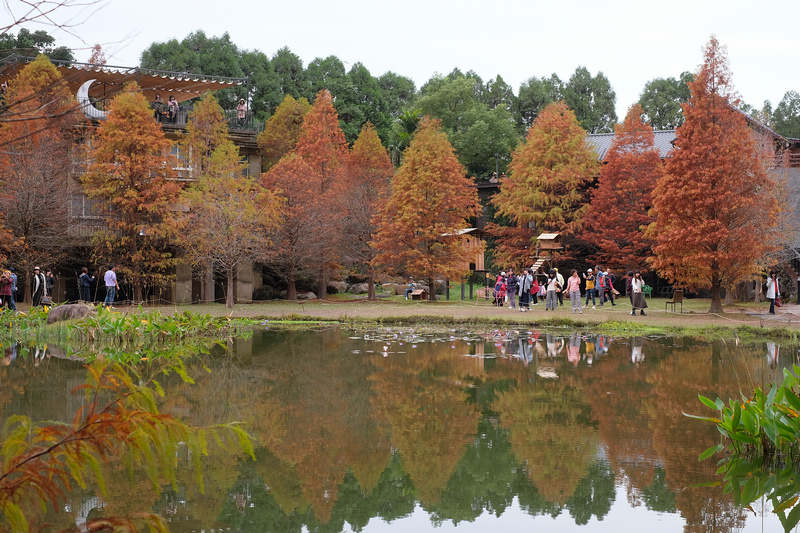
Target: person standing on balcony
x: 112, y: 286
x: 38, y: 284
x: 172, y: 108
x: 158, y: 107
x: 241, y: 112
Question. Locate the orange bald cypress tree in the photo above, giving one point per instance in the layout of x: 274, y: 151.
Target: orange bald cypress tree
x: 715, y: 207
x: 323, y: 149
x: 282, y: 130
x: 310, y: 179
x: 618, y: 213
x: 131, y: 174
x: 369, y: 171
x: 546, y: 187
x: 430, y: 203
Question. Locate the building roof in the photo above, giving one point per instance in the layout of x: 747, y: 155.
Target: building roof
x: 111, y: 79
x: 602, y: 142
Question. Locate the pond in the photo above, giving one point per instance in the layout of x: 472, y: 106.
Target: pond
x: 410, y: 429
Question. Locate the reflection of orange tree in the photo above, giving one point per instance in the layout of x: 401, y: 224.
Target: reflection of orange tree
x: 423, y: 399
x: 323, y: 407
x: 552, y: 434
x: 645, y: 427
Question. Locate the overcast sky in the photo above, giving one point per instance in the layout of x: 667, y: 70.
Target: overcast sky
x: 631, y: 41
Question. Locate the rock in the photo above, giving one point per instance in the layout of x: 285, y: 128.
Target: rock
x: 61, y: 313
x: 306, y: 296
x: 337, y: 287
x: 359, y: 288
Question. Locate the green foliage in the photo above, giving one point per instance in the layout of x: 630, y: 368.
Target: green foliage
x: 661, y: 101
x: 592, y: 99
x: 28, y: 43
x: 787, y: 115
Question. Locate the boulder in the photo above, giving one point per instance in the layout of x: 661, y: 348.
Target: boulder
x: 306, y: 296
x: 359, y: 288
x: 61, y: 313
x: 337, y: 287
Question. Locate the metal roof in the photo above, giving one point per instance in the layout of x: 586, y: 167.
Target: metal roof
x: 602, y: 142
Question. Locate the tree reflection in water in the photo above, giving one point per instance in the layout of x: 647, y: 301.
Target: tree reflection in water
x: 460, y: 425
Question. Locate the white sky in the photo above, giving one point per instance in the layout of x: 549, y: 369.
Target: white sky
x: 630, y: 41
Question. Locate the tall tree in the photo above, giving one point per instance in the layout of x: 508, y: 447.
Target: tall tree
x: 28, y: 43
x: 430, y: 202
x: 368, y: 174
x: 787, y: 115
x: 361, y: 101
x: 619, y: 210
x: 592, y: 99
x: 328, y: 73
x: 229, y: 216
x: 546, y: 187
x: 131, y: 172
x: 282, y: 130
x: 661, y: 101
x: 399, y: 92
x: 37, y: 136
x: 293, y: 77
x: 311, y: 182
x: 534, y: 95
x: 715, y: 206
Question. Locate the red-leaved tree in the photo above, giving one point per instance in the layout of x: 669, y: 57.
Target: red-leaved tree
x: 619, y: 211
x: 431, y: 201
x: 368, y: 174
x: 715, y: 207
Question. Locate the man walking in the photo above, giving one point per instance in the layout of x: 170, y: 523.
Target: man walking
x: 112, y: 286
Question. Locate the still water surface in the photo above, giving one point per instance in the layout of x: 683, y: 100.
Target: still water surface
x: 399, y: 430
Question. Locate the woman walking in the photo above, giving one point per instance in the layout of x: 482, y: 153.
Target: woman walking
x: 589, y: 277
x: 574, y: 290
x: 637, y: 300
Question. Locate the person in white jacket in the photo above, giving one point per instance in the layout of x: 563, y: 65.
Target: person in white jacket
x: 773, y: 292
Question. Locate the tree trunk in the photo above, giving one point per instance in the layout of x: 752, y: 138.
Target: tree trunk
x: 371, y: 284
x: 322, y: 285
x: 729, y: 296
x: 26, y: 289
x: 137, y: 291
x: 291, y: 290
x: 229, y: 295
x: 716, y: 293
x: 208, y: 284
x: 431, y: 289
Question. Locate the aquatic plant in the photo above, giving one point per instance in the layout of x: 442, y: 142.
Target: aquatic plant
x: 763, y: 433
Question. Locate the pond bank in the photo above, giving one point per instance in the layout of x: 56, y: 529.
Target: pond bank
x: 742, y: 318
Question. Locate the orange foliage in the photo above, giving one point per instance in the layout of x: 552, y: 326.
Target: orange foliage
x: 131, y: 172
x: 431, y: 201
x: 548, y: 177
x: 715, y: 207
x: 282, y: 130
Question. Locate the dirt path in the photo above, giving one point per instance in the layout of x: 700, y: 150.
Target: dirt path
x: 694, y: 315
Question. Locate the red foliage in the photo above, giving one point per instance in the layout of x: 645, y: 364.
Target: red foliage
x: 619, y: 210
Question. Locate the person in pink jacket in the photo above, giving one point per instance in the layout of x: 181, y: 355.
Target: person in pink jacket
x: 574, y: 290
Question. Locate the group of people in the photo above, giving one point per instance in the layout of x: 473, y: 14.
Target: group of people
x: 109, y: 279
x: 171, y: 108
x: 599, y: 285
x: 41, y: 288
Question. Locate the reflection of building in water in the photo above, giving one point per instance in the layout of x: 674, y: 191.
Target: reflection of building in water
x: 773, y: 352
x: 636, y: 350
